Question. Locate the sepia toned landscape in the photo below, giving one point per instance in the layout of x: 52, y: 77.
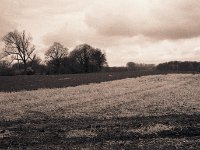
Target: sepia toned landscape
x: 149, y: 112
x: 99, y: 75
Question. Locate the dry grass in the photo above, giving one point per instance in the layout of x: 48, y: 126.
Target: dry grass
x: 150, y: 95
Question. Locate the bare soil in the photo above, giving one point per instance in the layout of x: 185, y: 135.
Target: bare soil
x: 45, y: 132
x: 34, y: 82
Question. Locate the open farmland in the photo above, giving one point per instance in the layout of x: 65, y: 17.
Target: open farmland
x: 34, y: 82
x: 150, y: 112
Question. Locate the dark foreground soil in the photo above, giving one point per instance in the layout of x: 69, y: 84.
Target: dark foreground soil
x: 34, y: 82
x: 38, y: 131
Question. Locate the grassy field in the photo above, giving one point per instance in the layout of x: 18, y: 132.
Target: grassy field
x: 150, y: 112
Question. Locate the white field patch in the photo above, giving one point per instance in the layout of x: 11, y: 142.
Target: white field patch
x: 143, y: 96
x: 80, y: 133
x: 152, y: 129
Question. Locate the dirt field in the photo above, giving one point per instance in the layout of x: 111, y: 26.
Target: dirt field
x: 34, y: 82
x: 151, y: 112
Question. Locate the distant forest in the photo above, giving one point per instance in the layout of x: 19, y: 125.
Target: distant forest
x: 19, y: 58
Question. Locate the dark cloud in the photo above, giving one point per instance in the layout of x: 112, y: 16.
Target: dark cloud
x: 172, y: 19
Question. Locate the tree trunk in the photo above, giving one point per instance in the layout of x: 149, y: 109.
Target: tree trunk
x: 25, y: 68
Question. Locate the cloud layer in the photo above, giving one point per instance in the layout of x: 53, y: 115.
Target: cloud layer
x: 150, y: 31
x: 172, y: 19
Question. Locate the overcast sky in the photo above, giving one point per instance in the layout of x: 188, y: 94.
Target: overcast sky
x: 142, y: 31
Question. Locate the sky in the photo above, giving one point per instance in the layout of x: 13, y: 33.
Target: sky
x: 141, y: 31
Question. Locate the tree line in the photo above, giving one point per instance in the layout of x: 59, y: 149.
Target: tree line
x: 132, y: 66
x: 192, y: 66
x: 19, y: 57
x: 172, y: 66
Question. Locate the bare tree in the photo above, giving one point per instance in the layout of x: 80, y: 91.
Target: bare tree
x: 56, y: 51
x: 18, y: 46
x: 87, y: 58
x: 55, y: 54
